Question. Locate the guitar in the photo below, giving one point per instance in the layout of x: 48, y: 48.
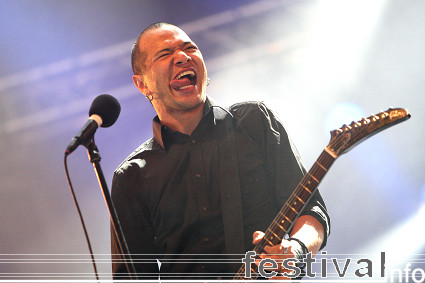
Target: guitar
x: 342, y: 140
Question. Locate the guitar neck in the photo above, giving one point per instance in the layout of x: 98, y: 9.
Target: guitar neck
x: 293, y: 207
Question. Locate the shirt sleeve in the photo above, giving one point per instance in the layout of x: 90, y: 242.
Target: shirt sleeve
x: 135, y: 223
x: 288, y: 167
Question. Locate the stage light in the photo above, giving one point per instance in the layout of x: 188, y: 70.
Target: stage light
x: 403, y: 244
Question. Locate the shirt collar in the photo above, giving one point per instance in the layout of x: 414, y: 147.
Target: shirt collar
x: 159, y: 129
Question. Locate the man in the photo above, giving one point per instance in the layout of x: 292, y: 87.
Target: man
x: 210, y: 179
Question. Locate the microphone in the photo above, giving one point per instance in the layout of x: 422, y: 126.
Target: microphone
x: 104, y: 111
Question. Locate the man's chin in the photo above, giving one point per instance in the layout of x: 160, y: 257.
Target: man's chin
x: 192, y: 101
x: 189, y: 94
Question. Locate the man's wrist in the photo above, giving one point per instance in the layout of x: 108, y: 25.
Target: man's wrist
x: 300, y: 250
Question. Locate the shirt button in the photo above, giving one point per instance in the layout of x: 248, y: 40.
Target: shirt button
x: 204, y: 208
x: 198, y: 175
x: 193, y: 141
x: 205, y: 240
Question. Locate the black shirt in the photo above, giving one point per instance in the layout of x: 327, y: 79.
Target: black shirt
x: 167, y: 192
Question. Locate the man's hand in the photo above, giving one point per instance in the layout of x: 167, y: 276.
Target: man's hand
x: 307, y: 229
x: 286, y: 249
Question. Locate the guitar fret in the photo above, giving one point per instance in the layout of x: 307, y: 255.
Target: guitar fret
x: 317, y: 162
x: 319, y: 169
x: 280, y: 226
x: 268, y: 241
x: 306, y: 188
x: 303, y: 194
x: 331, y: 153
x: 293, y: 209
x: 282, y: 217
x: 327, y: 157
x: 313, y: 177
x: 287, y: 219
x: 299, y: 199
x: 275, y: 235
x: 291, y: 214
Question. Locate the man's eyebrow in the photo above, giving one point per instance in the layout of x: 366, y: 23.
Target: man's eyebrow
x: 186, y: 43
x: 189, y: 43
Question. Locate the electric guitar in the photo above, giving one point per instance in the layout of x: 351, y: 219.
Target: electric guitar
x: 342, y: 140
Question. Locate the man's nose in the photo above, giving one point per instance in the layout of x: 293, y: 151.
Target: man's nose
x: 181, y: 57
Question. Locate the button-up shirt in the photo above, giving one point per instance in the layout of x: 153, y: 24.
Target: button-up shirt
x: 167, y: 192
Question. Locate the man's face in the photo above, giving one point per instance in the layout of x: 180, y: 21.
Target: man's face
x: 175, y: 73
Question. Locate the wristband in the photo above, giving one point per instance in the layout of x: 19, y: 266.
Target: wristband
x: 300, y: 254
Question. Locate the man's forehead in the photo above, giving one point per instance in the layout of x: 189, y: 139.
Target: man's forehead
x: 163, y: 35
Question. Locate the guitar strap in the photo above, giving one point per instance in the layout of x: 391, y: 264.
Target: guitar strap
x: 230, y: 192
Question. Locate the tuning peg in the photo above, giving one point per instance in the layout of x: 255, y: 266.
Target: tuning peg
x: 365, y: 121
x: 384, y: 115
x: 345, y: 127
x: 336, y: 132
x: 355, y: 124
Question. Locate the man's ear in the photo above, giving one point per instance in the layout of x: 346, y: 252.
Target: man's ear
x: 138, y: 81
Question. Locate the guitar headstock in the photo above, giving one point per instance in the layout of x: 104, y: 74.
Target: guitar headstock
x: 348, y: 136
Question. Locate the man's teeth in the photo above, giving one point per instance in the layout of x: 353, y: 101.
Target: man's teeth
x: 191, y: 73
x: 186, y: 86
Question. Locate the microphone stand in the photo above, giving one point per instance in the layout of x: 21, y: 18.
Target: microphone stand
x: 94, y: 158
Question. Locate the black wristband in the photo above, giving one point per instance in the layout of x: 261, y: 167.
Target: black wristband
x: 299, y: 254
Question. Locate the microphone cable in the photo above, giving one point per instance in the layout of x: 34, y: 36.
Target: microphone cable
x: 81, y: 216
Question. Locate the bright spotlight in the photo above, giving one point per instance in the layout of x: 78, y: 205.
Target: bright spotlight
x: 403, y: 244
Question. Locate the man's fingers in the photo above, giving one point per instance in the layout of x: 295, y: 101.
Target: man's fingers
x: 283, y: 248
x: 257, y: 236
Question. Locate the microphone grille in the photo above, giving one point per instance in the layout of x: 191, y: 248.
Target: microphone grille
x: 107, y: 107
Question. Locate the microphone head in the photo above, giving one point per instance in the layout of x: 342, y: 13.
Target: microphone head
x: 107, y: 107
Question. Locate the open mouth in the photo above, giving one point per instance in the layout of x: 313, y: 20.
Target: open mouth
x: 184, y: 80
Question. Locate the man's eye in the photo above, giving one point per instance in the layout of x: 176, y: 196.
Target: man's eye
x: 163, y: 55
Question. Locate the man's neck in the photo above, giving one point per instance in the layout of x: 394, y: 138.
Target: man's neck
x: 183, y: 121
